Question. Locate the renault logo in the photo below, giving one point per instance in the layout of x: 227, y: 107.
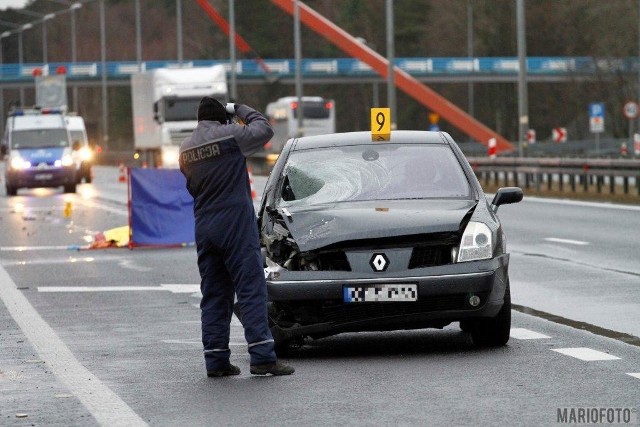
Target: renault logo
x: 379, y: 262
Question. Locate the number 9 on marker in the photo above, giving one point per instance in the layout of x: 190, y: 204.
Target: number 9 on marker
x: 381, y: 122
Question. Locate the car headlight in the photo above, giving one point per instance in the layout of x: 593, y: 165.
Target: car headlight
x: 85, y: 154
x: 476, y: 242
x: 66, y: 160
x: 19, y: 163
x: 170, y: 157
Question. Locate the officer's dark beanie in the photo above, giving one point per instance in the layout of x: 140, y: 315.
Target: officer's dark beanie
x: 211, y: 109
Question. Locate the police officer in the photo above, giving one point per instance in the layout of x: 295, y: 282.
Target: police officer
x: 213, y: 161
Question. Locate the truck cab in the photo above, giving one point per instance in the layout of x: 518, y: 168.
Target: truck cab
x: 165, y: 105
x: 38, y: 151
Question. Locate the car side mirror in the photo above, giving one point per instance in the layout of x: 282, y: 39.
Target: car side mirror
x: 507, y: 195
x: 3, y: 149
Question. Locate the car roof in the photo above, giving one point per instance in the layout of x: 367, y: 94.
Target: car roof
x: 366, y: 138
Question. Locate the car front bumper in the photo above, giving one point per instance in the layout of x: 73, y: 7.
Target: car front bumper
x: 316, y: 298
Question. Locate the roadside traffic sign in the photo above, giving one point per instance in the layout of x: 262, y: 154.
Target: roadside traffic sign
x: 531, y: 136
x: 596, y: 117
x: 630, y: 110
x: 623, y: 149
x: 559, y: 135
x: 492, y: 148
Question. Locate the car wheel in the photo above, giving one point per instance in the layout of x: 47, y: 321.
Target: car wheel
x: 70, y: 188
x: 282, y: 348
x: 494, y: 332
x: 466, y: 325
x: 11, y: 191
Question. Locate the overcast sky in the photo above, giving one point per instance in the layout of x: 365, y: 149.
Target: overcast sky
x: 12, y: 3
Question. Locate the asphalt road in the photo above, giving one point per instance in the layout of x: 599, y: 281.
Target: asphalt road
x: 111, y: 337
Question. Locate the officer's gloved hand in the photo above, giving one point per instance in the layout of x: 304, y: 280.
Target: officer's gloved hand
x: 231, y: 108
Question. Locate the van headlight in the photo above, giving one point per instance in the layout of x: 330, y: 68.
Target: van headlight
x: 66, y: 160
x: 85, y: 154
x: 476, y: 243
x: 170, y: 156
x: 18, y: 163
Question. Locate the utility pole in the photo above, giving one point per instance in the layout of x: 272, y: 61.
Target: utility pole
x: 470, y: 99
x: 103, y: 55
x: 298, y: 54
x: 523, y: 115
x: 179, y: 27
x: 391, y: 86
x: 232, y: 49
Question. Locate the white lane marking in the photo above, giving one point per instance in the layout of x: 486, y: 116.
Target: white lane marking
x: 105, y: 406
x: 199, y: 343
x: 583, y: 204
x: 567, y: 241
x: 584, y: 353
x: 526, y: 334
x: 92, y: 204
x: 181, y: 288
x: 36, y: 248
x: 635, y: 374
x: 175, y: 289
x: 130, y: 265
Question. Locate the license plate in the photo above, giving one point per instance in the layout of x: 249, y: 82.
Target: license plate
x: 381, y: 293
x: 43, y: 176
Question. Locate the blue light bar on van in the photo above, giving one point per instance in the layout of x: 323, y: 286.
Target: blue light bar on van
x: 33, y: 111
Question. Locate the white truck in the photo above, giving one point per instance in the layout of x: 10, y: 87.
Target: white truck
x: 165, y: 104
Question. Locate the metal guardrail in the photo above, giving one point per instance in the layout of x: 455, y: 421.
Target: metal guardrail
x: 345, y: 67
x: 560, y: 173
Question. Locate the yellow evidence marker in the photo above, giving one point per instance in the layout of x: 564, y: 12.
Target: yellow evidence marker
x: 68, y: 210
x: 380, y: 124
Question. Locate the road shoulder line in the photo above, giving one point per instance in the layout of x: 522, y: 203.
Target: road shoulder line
x: 597, y: 330
x: 105, y: 406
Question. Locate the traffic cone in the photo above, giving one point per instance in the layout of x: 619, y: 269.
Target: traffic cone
x: 122, y: 173
x: 253, y: 189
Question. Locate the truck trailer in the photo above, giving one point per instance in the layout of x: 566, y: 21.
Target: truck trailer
x: 165, y: 104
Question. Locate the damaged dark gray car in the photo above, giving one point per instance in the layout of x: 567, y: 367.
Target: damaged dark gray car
x: 370, y: 236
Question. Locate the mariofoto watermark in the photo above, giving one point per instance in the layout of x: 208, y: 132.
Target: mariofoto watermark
x: 597, y: 415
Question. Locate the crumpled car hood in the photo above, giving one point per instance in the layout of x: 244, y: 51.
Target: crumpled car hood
x: 329, y: 224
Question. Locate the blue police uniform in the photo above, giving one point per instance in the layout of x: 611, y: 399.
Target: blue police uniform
x: 213, y: 161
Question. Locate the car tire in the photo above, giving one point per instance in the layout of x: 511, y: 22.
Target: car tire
x: 11, y: 191
x: 466, y: 325
x: 70, y: 188
x: 282, y: 348
x: 494, y: 332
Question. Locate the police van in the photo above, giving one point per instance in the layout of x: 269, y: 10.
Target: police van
x: 82, y: 152
x: 38, y: 151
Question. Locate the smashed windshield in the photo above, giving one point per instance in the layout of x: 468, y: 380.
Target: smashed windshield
x: 372, y: 172
x: 39, y: 138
